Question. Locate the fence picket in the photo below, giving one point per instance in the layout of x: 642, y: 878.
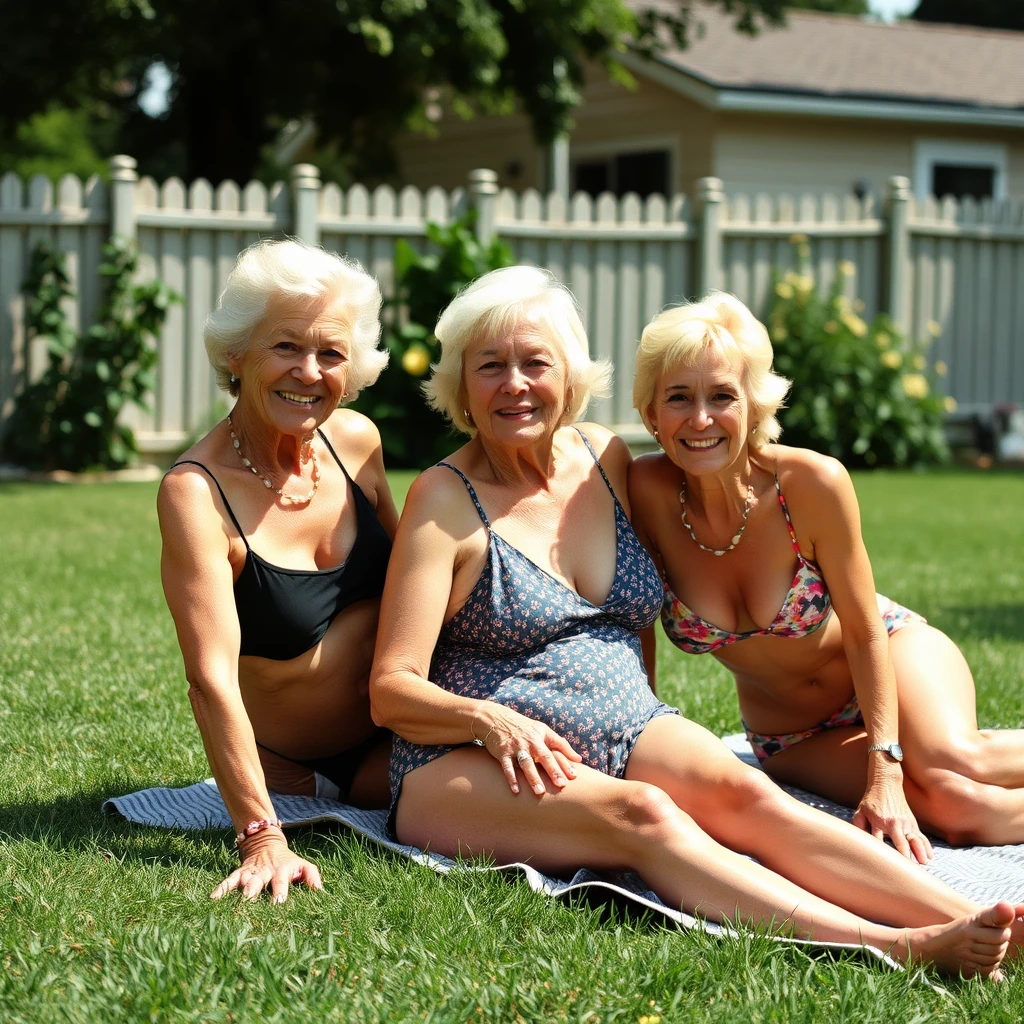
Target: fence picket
x: 624, y: 259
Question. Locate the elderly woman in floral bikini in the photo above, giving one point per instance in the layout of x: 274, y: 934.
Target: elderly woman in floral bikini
x: 843, y: 691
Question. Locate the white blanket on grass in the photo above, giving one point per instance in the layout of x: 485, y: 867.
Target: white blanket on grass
x: 983, y: 873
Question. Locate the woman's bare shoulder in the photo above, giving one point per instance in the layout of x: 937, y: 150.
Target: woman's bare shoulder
x: 352, y: 434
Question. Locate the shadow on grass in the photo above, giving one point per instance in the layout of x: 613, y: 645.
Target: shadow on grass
x: 981, y: 622
x: 76, y: 824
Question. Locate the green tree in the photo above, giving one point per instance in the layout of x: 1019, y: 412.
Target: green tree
x: 61, y: 140
x: 361, y: 69
x: 983, y: 13
x: 833, y: 6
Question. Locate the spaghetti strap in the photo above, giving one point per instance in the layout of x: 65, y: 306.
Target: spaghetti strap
x: 472, y: 493
x: 593, y: 455
x: 220, y: 490
x: 789, y: 522
x: 330, y: 448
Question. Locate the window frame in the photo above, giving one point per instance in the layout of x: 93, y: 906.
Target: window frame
x: 958, y: 153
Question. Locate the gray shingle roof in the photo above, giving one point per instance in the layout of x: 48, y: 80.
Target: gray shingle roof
x: 843, y: 56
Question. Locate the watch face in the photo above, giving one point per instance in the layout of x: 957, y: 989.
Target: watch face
x: 895, y: 751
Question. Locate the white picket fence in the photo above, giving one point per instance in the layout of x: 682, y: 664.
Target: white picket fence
x: 958, y: 264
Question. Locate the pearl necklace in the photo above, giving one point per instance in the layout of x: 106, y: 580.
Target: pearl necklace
x: 289, y: 498
x: 747, y: 505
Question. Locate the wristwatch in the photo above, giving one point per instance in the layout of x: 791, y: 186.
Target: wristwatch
x: 894, y: 750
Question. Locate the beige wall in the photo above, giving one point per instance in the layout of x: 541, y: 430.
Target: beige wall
x: 749, y: 152
x: 611, y: 119
x: 760, y: 153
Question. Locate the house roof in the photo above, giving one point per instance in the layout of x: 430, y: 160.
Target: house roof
x: 843, y: 57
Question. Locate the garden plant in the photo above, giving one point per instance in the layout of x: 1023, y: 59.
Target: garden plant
x: 862, y: 392
x: 70, y: 416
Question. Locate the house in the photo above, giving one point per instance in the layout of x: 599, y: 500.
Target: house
x: 828, y: 103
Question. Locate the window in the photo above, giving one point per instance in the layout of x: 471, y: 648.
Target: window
x: 641, y: 172
x: 959, y: 169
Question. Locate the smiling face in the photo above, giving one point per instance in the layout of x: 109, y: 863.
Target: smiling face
x: 514, y: 387
x: 701, y: 413
x: 295, y: 371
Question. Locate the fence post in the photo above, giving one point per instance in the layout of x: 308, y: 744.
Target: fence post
x: 305, y: 201
x: 483, y: 192
x: 898, y: 251
x: 123, y: 178
x: 709, y: 253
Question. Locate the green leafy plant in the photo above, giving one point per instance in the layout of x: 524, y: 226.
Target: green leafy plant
x: 413, y: 435
x: 69, y: 417
x: 861, y: 392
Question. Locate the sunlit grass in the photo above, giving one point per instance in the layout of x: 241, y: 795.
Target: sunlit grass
x: 105, y: 921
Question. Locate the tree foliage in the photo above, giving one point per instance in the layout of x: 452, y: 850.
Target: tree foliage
x: 362, y: 69
x: 832, y: 6
x: 983, y: 13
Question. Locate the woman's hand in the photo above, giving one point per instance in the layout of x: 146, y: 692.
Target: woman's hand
x: 883, y: 811
x: 514, y: 740
x: 267, y: 861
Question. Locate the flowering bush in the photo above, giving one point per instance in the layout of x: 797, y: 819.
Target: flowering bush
x: 861, y: 392
x: 413, y: 435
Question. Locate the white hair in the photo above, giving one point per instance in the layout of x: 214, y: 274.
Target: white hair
x: 678, y: 336
x: 494, y: 306
x: 294, y: 270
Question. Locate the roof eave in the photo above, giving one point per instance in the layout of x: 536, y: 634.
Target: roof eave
x: 763, y: 101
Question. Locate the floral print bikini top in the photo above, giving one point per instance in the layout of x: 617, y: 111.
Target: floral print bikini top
x: 805, y: 609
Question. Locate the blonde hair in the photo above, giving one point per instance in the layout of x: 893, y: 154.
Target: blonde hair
x: 294, y: 270
x: 679, y: 334
x: 494, y: 306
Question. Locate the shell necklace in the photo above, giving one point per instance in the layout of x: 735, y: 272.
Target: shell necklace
x: 747, y: 505
x: 290, y: 499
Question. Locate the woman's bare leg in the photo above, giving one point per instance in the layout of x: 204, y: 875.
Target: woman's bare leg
x: 744, y: 810
x: 962, y: 783
x: 460, y: 804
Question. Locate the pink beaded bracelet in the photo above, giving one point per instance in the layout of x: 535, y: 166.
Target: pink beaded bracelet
x: 255, y: 827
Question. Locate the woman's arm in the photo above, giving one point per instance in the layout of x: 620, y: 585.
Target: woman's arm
x: 824, y: 494
x: 198, y: 585
x: 437, y: 526
x: 642, y: 498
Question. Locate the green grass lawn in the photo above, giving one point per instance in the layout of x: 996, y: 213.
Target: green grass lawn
x: 105, y: 921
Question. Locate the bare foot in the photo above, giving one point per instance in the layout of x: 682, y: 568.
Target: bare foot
x: 968, y: 946
x: 1016, y: 933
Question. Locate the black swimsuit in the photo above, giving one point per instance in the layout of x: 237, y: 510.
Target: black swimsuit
x: 283, y: 613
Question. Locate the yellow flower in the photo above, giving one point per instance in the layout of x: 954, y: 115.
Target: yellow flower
x: 830, y: 327
x: 919, y: 362
x: 791, y: 277
x: 803, y: 250
x: 882, y: 339
x: 949, y: 403
x: 784, y: 290
x: 941, y: 368
x: 780, y: 334
x: 891, y: 359
x: 914, y: 385
x: 416, y: 360
x: 798, y: 239
x: 934, y: 328
x: 804, y: 283
x: 649, y: 1018
x: 855, y: 325
x: 847, y: 268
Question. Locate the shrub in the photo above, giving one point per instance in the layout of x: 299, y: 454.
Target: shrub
x: 414, y: 435
x: 861, y: 392
x: 68, y: 418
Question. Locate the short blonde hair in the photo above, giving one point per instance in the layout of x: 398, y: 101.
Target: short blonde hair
x: 679, y: 334
x: 294, y: 270
x: 493, y: 306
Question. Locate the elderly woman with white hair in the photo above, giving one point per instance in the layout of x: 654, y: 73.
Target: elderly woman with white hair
x: 277, y: 530
x: 509, y: 665
x: 843, y: 691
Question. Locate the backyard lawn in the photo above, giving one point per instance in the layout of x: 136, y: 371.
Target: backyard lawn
x: 105, y: 921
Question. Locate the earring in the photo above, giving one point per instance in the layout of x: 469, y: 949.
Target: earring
x: 234, y: 379
x: 657, y: 436
x: 468, y: 418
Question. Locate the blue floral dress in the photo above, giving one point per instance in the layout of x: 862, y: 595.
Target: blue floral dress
x: 526, y: 640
